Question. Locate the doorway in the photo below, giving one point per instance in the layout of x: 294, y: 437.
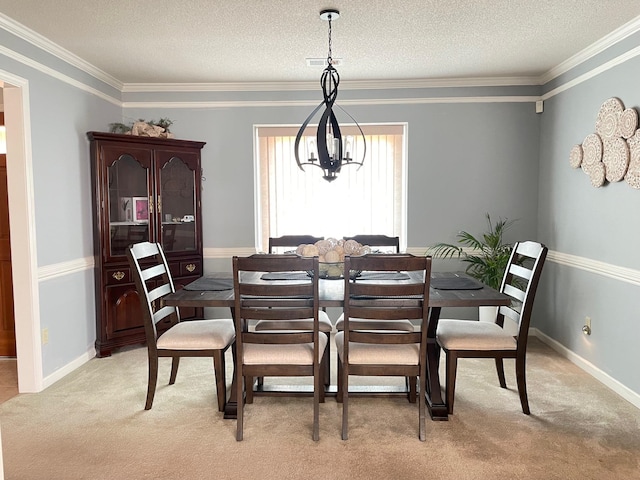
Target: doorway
x: 7, y: 321
x: 23, y: 240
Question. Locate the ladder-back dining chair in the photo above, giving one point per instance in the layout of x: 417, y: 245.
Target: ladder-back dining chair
x: 296, y: 352
x: 291, y: 241
x: 384, y: 352
x: 194, y: 338
x: 378, y: 241
x: 475, y: 339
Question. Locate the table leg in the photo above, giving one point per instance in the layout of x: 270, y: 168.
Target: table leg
x: 435, y: 404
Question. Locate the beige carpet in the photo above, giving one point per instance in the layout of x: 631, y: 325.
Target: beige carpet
x: 91, y: 425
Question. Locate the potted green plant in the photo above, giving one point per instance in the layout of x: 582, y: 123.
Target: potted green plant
x: 489, y: 253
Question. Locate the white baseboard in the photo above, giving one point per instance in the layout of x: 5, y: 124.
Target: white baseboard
x: 591, y: 369
x: 68, y: 368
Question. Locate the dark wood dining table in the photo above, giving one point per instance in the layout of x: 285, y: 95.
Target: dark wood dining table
x: 331, y: 295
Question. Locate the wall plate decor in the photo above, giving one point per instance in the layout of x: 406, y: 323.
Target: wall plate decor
x: 597, y: 174
x: 609, y: 117
x: 615, y: 156
x: 632, y: 177
x: 575, y: 156
x: 628, y: 123
x: 592, y: 151
x: 612, y: 153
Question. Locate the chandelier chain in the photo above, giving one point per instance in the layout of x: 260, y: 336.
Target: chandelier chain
x: 329, y: 56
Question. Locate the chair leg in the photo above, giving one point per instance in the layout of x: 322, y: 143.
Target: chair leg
x: 345, y: 404
x: 175, y: 363
x: 412, y: 388
x: 248, y: 381
x: 318, y: 391
x: 321, y: 374
x: 240, y: 409
x: 522, y: 384
x: 500, y: 369
x: 326, y: 359
x: 422, y: 405
x: 221, y: 381
x: 339, y: 392
x: 452, y: 365
x: 153, y: 380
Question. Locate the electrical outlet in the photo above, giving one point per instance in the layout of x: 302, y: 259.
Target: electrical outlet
x: 586, y: 328
x: 45, y: 336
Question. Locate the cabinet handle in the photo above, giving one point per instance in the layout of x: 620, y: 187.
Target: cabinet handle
x: 191, y: 267
x: 118, y: 275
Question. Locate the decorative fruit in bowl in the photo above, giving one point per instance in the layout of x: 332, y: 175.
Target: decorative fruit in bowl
x: 331, y: 253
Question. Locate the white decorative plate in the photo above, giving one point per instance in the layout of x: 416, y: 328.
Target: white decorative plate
x: 632, y: 177
x: 628, y: 123
x: 597, y: 174
x: 609, y: 117
x: 615, y: 156
x: 575, y: 157
x: 592, y: 151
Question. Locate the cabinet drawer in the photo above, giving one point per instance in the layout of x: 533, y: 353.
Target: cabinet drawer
x: 118, y: 276
x: 186, y: 268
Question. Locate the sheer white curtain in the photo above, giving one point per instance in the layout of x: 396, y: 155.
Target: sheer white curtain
x: 369, y: 200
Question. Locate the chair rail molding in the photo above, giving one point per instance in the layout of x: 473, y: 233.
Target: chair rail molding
x: 623, y: 274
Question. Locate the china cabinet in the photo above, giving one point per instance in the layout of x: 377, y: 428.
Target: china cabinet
x: 144, y: 189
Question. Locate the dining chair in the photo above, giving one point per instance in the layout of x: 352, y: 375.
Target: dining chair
x: 405, y: 326
x: 378, y: 241
x: 193, y: 338
x: 384, y: 352
x: 295, y: 352
x: 476, y: 339
x: 291, y: 241
x: 326, y: 326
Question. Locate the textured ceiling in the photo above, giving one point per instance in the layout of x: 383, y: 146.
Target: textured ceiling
x: 188, y: 41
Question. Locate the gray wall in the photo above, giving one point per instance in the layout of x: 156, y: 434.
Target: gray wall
x: 595, y: 224
x: 488, y: 150
x: 60, y: 115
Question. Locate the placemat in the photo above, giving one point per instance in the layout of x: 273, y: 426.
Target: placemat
x: 455, y: 283
x: 213, y: 282
x: 383, y: 276
x: 285, y: 276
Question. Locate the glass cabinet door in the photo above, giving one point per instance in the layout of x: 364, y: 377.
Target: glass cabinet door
x: 177, y: 208
x: 128, y: 203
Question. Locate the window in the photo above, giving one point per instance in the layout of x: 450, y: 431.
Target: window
x: 369, y: 200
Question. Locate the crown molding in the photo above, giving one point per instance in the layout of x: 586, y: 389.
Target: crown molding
x: 592, y: 50
x: 344, y: 85
x: 628, y: 55
x: 54, y: 49
x: 46, y: 45
x: 308, y: 103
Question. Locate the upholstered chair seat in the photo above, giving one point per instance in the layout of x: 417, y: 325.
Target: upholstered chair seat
x: 473, y: 335
x: 198, y: 335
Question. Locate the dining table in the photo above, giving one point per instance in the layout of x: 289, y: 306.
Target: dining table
x: 448, y: 290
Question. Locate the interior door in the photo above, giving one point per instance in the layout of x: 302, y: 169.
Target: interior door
x: 7, y: 321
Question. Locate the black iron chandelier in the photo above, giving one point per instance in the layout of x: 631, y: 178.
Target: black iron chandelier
x: 332, y: 152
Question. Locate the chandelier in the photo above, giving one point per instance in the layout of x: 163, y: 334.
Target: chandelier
x: 333, y: 150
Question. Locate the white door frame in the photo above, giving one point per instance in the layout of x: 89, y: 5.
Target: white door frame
x: 23, y: 236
